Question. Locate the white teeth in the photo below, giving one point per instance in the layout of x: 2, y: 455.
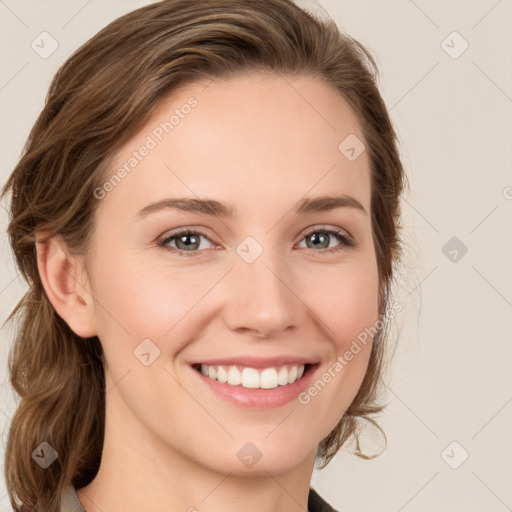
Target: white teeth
x: 292, y: 375
x: 268, y: 378
x: 222, y: 375
x: 251, y: 378
x: 234, y: 376
x: 282, y: 376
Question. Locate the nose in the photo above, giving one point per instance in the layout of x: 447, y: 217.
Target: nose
x: 261, y: 298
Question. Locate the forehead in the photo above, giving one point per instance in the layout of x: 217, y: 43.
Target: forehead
x: 256, y: 138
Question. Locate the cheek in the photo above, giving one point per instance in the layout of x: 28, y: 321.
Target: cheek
x: 149, y: 301
x: 346, y: 300
x: 141, y: 301
x: 347, y: 304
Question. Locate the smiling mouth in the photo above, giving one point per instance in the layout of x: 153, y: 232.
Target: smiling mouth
x: 252, y: 378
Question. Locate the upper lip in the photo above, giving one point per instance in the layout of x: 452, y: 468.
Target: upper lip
x: 256, y: 362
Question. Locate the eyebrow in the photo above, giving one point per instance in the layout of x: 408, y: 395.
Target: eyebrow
x: 212, y: 207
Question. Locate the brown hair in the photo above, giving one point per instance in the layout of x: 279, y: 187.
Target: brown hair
x: 98, y: 99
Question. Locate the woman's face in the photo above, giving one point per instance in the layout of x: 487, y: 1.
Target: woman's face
x: 253, y: 296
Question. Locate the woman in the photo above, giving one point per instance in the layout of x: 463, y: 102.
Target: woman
x: 207, y: 215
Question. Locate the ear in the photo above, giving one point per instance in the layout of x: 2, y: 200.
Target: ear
x: 66, y: 284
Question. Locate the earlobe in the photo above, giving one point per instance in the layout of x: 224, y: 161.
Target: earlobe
x: 62, y: 277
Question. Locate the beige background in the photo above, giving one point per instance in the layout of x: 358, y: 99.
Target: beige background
x: 450, y: 379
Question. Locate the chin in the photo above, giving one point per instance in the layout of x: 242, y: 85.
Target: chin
x: 259, y: 457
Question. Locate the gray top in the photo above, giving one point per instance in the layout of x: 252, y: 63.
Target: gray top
x: 70, y: 503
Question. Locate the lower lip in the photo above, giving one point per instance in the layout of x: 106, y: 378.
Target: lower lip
x: 259, y: 398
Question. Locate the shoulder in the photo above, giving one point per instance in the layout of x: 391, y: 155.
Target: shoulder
x: 317, y: 504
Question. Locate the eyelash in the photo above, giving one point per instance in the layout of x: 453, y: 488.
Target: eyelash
x: 346, y: 241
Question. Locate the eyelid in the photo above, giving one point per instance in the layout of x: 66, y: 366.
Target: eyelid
x: 346, y: 239
x: 328, y: 227
x: 200, y: 230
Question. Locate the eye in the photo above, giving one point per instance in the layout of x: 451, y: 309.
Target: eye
x: 188, y: 242
x: 322, y: 237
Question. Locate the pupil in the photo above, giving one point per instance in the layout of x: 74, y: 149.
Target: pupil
x: 322, y: 238
x: 186, y: 237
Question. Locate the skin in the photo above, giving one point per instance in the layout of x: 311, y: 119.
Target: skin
x: 261, y: 145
